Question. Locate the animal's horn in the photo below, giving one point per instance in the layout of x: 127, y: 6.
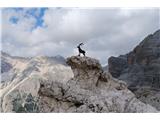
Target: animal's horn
x: 81, y: 44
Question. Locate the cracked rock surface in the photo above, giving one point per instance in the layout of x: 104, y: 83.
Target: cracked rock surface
x: 82, y: 87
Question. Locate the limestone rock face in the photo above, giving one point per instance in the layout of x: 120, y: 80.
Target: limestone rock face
x: 103, y: 94
x: 140, y: 69
x: 86, y: 71
x: 41, y: 86
x: 20, y: 85
x: 117, y: 65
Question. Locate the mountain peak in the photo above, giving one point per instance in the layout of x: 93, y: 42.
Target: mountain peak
x: 140, y: 69
x: 152, y: 40
x: 83, y: 62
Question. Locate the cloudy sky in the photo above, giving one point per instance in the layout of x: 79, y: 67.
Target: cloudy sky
x: 105, y: 32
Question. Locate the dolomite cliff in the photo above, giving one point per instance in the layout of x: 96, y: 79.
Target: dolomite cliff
x: 42, y: 85
x: 140, y: 69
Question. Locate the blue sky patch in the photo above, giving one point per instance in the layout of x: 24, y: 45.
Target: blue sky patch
x: 36, y: 13
x: 14, y: 20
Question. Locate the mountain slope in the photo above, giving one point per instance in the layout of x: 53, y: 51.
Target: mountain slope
x: 140, y: 69
x: 21, y: 72
x: 41, y: 85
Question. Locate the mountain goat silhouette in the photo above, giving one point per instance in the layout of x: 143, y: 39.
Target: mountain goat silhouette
x: 80, y: 50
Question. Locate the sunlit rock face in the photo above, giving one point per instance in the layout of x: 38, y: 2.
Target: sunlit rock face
x: 87, y: 71
x: 91, y: 90
x: 140, y: 69
x: 42, y: 85
x: 20, y: 84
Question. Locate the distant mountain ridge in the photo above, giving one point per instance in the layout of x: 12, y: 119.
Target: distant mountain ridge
x: 140, y: 69
x: 12, y: 65
x: 22, y: 75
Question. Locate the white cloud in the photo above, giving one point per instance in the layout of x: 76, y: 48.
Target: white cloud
x: 105, y: 32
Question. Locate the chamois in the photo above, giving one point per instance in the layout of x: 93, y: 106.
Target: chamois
x: 80, y: 50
